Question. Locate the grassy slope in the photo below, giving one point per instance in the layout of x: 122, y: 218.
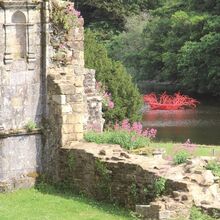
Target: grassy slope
x: 35, y: 205
x: 201, y: 150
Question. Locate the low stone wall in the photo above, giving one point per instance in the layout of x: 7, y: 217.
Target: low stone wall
x: 108, y: 173
x: 20, y: 161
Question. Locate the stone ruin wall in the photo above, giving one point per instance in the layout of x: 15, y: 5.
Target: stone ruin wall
x: 21, y: 91
x: 34, y: 87
x: 156, y: 188
x: 109, y: 173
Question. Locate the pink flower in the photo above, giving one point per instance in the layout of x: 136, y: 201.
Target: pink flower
x: 145, y: 133
x: 152, y: 133
x: 137, y: 127
x: 126, y: 125
x: 111, y: 104
x: 77, y: 13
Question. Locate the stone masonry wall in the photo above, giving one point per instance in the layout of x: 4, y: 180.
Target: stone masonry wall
x: 21, y: 91
x: 20, y: 161
x: 94, y: 103
x: 69, y: 86
x: 39, y: 86
x: 157, y: 188
x: 108, y: 173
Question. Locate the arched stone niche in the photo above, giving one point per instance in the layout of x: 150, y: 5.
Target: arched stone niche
x: 19, y: 42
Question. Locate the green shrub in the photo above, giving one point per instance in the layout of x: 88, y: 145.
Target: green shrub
x: 196, y: 214
x: 125, y: 95
x: 214, y: 166
x: 128, y: 140
x: 159, y: 186
x: 180, y: 157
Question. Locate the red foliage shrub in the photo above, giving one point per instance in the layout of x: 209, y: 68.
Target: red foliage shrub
x: 168, y: 102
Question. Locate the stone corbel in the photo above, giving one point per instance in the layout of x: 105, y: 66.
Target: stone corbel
x: 8, y: 59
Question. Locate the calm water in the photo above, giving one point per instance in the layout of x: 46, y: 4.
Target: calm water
x: 201, y: 126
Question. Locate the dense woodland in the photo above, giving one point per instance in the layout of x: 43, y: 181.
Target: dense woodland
x: 174, y: 41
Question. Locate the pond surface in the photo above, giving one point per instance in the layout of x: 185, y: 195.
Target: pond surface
x: 200, y: 125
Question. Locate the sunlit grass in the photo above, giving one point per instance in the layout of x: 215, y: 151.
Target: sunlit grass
x: 201, y: 150
x: 33, y: 204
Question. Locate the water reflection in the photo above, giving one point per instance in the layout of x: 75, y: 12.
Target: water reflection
x: 201, y: 125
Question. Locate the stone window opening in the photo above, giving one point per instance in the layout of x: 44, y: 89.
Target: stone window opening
x: 19, y: 36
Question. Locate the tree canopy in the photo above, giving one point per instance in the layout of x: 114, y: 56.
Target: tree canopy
x: 179, y: 42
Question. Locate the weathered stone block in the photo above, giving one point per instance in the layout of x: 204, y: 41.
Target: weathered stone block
x: 78, y: 128
x: 78, y: 107
x: 79, y: 136
x: 68, y: 129
x: 73, y: 118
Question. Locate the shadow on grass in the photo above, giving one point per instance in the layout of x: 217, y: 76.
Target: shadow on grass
x: 66, y: 193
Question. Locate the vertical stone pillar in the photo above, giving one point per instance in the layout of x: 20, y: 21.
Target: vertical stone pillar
x: 30, y: 52
x: 8, y: 50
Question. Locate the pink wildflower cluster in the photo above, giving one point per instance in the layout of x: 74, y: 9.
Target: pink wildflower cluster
x: 136, y: 127
x: 106, y: 97
x: 71, y: 10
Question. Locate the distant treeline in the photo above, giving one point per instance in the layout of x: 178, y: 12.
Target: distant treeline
x: 162, y: 40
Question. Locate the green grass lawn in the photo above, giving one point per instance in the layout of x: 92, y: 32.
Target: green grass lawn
x: 35, y: 205
x: 201, y: 150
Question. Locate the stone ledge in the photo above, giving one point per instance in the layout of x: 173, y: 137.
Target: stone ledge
x: 20, y: 132
x: 21, y: 4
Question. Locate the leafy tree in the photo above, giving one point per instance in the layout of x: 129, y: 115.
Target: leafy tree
x: 113, y: 75
x: 107, y: 17
x: 178, y: 43
x: 211, y: 6
x: 199, y: 64
x: 127, y: 45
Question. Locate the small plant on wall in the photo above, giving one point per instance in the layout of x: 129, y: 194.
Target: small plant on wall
x: 64, y: 17
x: 30, y: 126
x: 159, y: 186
